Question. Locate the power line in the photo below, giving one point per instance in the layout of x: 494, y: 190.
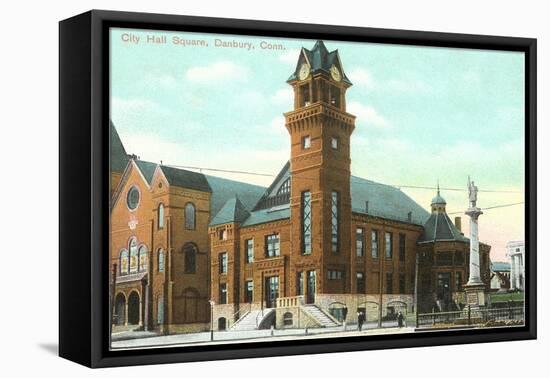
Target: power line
x: 399, y: 186
x: 491, y: 207
x: 200, y: 169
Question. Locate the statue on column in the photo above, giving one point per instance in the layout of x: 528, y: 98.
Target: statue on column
x: 472, y: 193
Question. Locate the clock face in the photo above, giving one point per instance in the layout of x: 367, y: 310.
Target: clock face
x: 304, y: 71
x: 335, y: 73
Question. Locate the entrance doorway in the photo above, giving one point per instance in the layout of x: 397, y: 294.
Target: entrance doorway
x: 311, y: 280
x: 120, y: 307
x: 443, y: 290
x: 133, y: 308
x: 271, y: 291
x: 222, y: 324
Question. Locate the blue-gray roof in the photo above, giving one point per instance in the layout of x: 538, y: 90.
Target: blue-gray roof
x: 224, y: 189
x: 185, y: 179
x: 267, y: 215
x: 147, y: 169
x: 232, y: 211
x: 118, y: 157
x: 499, y: 266
x: 439, y: 227
x: 385, y: 201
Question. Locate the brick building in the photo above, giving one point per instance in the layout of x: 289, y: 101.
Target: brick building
x: 315, y: 245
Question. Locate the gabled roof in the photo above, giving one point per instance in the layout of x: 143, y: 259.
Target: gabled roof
x: 384, y: 201
x: 118, y: 157
x: 147, y: 169
x: 225, y: 189
x: 439, y: 227
x: 232, y: 211
x: 319, y: 59
x: 185, y: 179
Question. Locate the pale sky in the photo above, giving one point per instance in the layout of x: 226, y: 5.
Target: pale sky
x: 423, y: 114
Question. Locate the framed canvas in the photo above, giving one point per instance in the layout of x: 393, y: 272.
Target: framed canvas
x: 236, y: 188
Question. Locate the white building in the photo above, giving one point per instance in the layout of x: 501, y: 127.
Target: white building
x: 515, y: 250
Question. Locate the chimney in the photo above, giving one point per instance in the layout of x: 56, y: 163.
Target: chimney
x: 409, y: 216
x: 367, y: 207
x: 458, y: 223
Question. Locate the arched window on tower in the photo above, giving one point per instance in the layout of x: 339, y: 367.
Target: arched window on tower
x: 161, y: 216
x: 190, y: 257
x: 189, y: 216
x: 160, y: 261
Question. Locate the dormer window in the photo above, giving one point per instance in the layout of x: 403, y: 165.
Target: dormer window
x: 306, y: 142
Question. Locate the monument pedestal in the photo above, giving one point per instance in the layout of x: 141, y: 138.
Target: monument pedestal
x: 475, y: 295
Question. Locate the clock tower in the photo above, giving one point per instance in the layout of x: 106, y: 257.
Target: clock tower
x: 320, y: 130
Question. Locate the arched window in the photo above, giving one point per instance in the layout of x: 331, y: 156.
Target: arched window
x: 142, y: 258
x: 190, y: 256
x: 189, y: 216
x: 161, y: 216
x: 124, y: 261
x: 133, y: 247
x: 161, y: 260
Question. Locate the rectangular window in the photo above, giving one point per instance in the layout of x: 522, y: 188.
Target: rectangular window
x: 334, y: 143
x: 459, y: 258
x: 306, y: 100
x: 272, y: 246
x: 402, y: 283
x: 360, y: 242
x: 306, y: 223
x: 360, y: 282
x: 223, y: 293
x: 335, y: 275
x: 374, y: 242
x: 306, y: 142
x: 444, y: 258
x: 249, y: 245
x: 334, y: 221
x: 300, y: 283
x: 458, y: 281
x: 223, y: 262
x: 402, y: 246
x: 389, y: 283
x: 160, y: 310
x: 389, y: 245
x: 249, y: 294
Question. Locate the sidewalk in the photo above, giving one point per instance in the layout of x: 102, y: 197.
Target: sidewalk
x: 145, y: 339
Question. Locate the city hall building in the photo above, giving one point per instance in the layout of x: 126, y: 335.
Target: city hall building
x: 317, y: 246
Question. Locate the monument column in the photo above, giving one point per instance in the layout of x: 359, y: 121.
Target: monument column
x: 475, y: 288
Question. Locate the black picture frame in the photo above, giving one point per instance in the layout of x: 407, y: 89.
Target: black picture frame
x: 84, y: 189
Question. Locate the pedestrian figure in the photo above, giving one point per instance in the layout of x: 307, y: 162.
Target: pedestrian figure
x: 360, y: 320
x: 400, y: 319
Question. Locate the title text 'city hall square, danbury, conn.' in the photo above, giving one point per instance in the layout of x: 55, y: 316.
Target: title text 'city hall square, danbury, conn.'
x: 314, y: 247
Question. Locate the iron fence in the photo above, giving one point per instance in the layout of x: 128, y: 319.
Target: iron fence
x: 470, y: 316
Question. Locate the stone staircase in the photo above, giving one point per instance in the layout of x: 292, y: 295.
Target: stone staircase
x: 252, y: 320
x: 320, y: 316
